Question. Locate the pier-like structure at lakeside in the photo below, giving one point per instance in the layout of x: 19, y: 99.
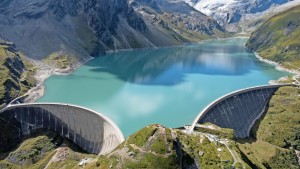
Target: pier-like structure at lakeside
x: 238, y: 110
x: 90, y: 130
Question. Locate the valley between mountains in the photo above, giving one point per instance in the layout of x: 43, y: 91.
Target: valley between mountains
x: 40, y: 38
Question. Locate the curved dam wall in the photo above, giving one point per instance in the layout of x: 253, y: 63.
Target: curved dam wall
x: 238, y: 110
x: 90, y: 130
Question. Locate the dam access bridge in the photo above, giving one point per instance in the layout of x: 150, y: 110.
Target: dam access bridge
x: 90, y: 130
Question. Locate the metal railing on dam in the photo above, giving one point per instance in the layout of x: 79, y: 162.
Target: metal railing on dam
x: 238, y: 110
x: 88, y: 129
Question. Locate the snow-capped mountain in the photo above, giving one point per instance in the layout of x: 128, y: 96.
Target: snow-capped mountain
x: 237, y: 14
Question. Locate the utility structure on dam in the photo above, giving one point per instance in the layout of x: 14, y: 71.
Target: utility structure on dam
x: 86, y: 128
x: 238, y: 110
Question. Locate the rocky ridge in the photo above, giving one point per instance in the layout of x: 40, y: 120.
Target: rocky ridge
x: 178, y: 18
x: 16, y: 75
x: 88, y: 28
x: 278, y: 39
x: 240, y: 16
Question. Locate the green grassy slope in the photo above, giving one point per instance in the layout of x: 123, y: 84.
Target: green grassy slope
x: 158, y: 147
x: 275, y: 139
x: 16, y: 73
x: 276, y: 135
x: 44, y: 148
x: 281, y: 125
x: 155, y: 147
x: 278, y: 39
x: 61, y: 60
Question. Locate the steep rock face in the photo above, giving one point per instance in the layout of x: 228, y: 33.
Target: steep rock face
x: 82, y: 27
x: 178, y: 18
x: 235, y: 15
x: 42, y: 27
x: 16, y: 75
x: 278, y: 39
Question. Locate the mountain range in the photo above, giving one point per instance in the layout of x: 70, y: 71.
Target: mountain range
x: 84, y: 28
x: 241, y: 15
x: 62, y: 32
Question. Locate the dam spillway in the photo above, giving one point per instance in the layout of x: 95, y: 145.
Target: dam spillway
x: 238, y: 110
x: 89, y: 130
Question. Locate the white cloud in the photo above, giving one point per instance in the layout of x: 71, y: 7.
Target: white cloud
x: 136, y: 103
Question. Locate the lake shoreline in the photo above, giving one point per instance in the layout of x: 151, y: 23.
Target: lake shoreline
x: 43, y: 72
x: 279, y: 67
x: 142, y: 87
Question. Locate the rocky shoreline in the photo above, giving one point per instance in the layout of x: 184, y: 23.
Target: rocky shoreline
x: 278, y: 66
x: 43, y: 72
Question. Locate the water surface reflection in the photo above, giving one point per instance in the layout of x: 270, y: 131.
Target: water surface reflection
x: 168, y: 86
x: 168, y: 66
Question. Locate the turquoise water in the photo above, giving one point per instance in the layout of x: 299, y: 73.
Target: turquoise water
x: 168, y: 86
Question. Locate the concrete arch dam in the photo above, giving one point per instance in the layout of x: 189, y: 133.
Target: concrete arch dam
x: 88, y: 129
x: 238, y: 110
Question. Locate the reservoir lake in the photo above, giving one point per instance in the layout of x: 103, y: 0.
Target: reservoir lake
x: 167, y: 86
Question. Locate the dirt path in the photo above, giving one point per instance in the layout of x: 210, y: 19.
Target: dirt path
x: 60, y: 152
x: 152, y: 152
x: 233, y: 153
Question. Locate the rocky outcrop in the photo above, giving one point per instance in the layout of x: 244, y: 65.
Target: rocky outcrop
x: 16, y: 74
x: 88, y: 28
x: 85, y: 28
x: 278, y: 39
x: 239, y: 15
x: 178, y: 18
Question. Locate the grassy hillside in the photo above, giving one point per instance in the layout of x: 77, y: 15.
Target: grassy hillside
x: 281, y: 125
x: 278, y: 39
x: 16, y: 73
x: 153, y: 147
x: 274, y: 142
x: 61, y: 60
x: 43, y: 148
x: 276, y: 135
